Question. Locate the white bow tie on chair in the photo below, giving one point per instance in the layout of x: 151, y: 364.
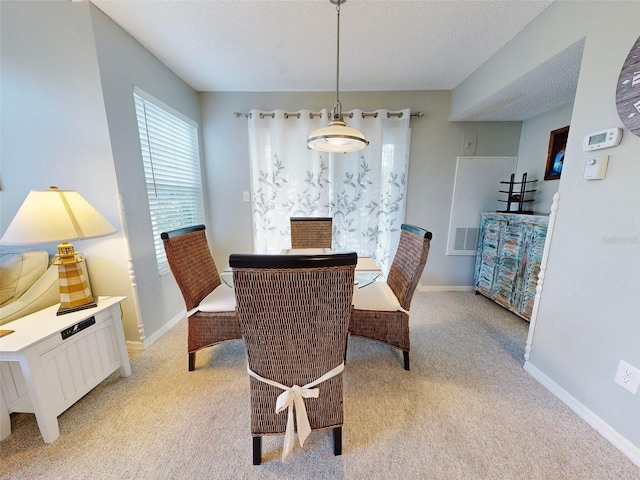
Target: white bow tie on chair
x: 293, y: 399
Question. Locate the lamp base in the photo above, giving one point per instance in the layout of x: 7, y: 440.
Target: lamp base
x: 75, y: 290
x: 63, y: 310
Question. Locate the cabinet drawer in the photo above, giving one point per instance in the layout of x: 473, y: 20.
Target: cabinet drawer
x: 55, y: 340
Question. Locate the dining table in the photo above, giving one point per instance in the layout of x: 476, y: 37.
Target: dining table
x: 366, y: 272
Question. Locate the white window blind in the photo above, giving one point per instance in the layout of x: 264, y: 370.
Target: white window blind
x: 170, y: 154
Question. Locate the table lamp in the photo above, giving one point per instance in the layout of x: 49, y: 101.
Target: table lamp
x: 60, y: 216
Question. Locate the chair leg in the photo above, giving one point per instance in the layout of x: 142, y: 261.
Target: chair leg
x: 257, y: 450
x: 337, y: 441
x: 406, y: 359
x: 192, y: 361
x: 346, y: 343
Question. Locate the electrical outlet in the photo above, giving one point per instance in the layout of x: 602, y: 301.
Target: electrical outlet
x: 628, y: 377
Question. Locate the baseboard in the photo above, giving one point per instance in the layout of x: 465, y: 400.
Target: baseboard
x: 141, y: 346
x: 445, y: 288
x: 602, y: 427
x: 165, y: 328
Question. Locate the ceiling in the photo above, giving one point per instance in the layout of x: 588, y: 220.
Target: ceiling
x: 290, y: 45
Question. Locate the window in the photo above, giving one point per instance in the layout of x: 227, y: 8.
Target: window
x: 171, y: 158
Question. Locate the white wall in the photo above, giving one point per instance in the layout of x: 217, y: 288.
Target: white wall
x: 54, y: 127
x: 532, y: 154
x: 590, y: 307
x: 435, y: 145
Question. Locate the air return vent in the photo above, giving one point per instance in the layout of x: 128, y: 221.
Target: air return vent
x: 466, y: 240
x: 475, y: 190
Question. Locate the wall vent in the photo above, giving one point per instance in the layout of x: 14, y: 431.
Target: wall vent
x: 466, y: 240
x: 475, y: 190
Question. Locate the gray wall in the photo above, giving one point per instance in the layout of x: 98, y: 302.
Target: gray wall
x: 435, y: 145
x: 532, y: 155
x: 68, y: 119
x: 590, y: 307
x: 54, y: 128
x: 124, y: 63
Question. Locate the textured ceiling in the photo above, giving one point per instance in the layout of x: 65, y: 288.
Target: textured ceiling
x: 549, y: 85
x: 278, y: 45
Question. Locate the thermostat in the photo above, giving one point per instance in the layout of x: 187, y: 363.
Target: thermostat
x: 602, y: 139
x: 595, y: 167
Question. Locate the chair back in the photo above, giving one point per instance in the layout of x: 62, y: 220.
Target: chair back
x: 191, y: 263
x: 311, y: 232
x: 294, y: 312
x: 408, y: 263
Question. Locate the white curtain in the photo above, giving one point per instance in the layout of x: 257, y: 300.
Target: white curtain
x: 363, y: 191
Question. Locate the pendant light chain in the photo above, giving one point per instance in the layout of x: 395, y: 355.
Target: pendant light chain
x: 337, y: 114
x: 337, y: 137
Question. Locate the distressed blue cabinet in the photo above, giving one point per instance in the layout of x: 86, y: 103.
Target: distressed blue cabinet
x: 510, y: 248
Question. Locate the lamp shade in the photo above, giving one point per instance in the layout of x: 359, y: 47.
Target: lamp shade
x: 336, y: 138
x: 55, y: 215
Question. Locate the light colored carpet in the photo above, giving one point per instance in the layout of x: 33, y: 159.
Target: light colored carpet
x: 466, y: 410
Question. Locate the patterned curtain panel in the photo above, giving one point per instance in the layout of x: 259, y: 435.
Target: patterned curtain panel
x: 363, y: 191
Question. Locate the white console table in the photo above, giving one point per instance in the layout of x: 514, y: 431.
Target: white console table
x: 43, y: 373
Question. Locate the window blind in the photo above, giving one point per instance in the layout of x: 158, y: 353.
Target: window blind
x: 171, y: 159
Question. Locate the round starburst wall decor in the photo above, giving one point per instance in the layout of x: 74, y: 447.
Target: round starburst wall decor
x: 628, y: 90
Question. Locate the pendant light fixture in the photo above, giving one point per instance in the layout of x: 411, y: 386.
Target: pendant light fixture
x: 337, y: 137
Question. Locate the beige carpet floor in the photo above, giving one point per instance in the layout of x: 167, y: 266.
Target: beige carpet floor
x: 466, y: 410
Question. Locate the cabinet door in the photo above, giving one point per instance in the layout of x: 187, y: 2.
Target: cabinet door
x: 491, y: 227
x: 81, y: 362
x: 532, y: 257
x: 514, y: 236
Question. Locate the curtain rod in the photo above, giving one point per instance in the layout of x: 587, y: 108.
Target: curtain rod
x: 311, y: 115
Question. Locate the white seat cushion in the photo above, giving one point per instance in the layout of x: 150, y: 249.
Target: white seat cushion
x: 376, y: 296
x: 221, y: 299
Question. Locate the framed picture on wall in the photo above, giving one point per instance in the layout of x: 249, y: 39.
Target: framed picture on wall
x: 555, y: 157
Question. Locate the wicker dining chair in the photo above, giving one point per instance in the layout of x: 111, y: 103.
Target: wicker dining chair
x: 294, y: 311
x: 311, y: 232
x: 214, y: 319
x: 381, y: 309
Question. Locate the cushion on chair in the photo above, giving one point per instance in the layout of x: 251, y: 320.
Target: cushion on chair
x: 18, y: 271
x: 375, y: 296
x: 221, y: 299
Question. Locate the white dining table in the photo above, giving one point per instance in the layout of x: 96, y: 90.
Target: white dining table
x: 367, y: 270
